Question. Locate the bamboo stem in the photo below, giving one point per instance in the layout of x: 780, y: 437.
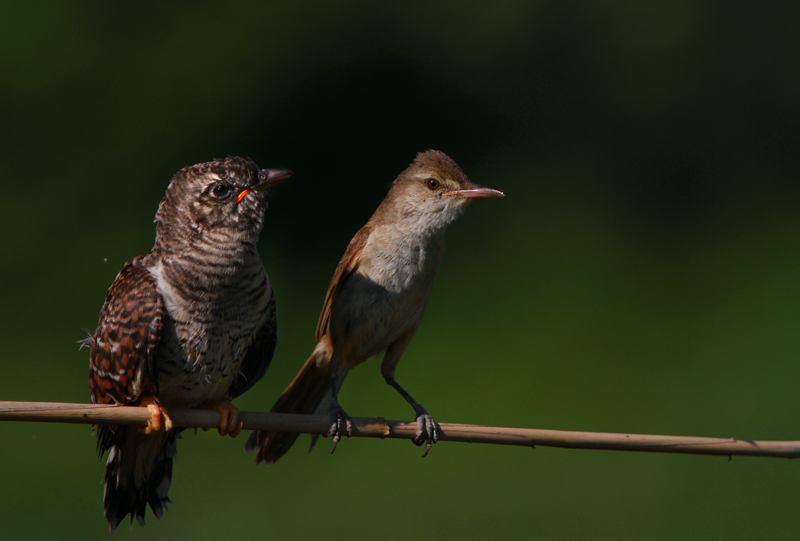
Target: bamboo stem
x: 58, y: 412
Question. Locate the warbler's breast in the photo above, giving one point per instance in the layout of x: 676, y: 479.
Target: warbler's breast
x: 387, y: 294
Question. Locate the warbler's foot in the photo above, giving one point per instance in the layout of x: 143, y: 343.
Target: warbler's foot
x: 339, y: 419
x: 426, y: 432
x: 229, y: 425
x: 157, y: 411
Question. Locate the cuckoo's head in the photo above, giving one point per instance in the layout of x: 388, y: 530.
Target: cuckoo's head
x: 227, y: 196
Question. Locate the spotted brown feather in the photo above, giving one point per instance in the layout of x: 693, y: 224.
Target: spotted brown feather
x: 122, y: 360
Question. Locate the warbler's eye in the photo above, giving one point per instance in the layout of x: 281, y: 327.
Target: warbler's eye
x: 221, y: 191
x: 431, y: 183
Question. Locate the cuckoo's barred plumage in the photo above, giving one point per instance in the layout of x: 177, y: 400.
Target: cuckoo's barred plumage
x: 190, y: 325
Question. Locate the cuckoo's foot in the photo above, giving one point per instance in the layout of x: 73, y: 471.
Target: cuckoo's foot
x: 339, y: 419
x: 426, y: 432
x: 157, y: 411
x: 230, y: 425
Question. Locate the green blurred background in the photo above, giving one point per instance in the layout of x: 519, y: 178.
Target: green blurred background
x: 640, y: 276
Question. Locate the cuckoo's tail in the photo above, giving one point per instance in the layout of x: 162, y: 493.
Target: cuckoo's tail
x: 138, y: 474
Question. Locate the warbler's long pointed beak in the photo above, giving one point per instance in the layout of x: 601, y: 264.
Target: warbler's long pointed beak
x: 268, y: 178
x: 475, y: 191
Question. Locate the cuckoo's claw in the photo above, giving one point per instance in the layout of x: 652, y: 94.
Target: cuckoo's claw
x: 229, y: 425
x: 339, y: 418
x: 157, y: 411
x: 426, y: 432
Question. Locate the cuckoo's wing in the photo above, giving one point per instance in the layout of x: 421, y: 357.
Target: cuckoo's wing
x: 123, y: 362
x: 259, y: 354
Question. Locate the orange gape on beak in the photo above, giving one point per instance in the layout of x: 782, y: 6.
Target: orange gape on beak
x: 243, y: 195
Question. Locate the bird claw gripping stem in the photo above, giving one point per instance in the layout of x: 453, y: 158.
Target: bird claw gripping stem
x: 339, y: 418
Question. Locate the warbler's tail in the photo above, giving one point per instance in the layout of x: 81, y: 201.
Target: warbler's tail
x: 309, y: 393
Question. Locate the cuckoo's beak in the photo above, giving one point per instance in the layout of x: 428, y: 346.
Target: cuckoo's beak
x: 268, y: 178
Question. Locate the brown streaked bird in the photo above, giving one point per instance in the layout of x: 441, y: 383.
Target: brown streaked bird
x: 190, y: 325
x: 377, y: 297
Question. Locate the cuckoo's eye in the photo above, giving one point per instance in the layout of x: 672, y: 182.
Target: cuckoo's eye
x: 431, y: 183
x: 221, y: 191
